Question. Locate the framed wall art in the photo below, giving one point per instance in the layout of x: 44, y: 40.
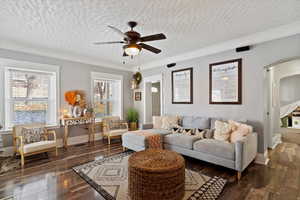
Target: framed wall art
x: 182, y: 86
x: 138, y: 96
x: 225, y: 82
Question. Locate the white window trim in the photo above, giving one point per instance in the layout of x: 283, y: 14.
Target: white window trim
x: 100, y: 75
x: 6, y: 64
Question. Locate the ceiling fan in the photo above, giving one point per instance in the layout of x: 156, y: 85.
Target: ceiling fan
x: 133, y: 42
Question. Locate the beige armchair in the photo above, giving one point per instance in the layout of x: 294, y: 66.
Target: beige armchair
x: 24, y: 149
x: 113, y: 127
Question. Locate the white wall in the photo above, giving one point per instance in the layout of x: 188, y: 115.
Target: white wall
x: 73, y: 76
x: 289, y: 89
x: 252, y: 107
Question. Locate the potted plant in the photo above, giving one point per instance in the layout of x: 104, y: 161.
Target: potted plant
x: 132, y: 118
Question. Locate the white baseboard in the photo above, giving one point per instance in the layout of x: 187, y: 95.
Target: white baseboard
x: 262, y: 158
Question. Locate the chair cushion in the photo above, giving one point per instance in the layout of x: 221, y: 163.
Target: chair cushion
x: 38, y: 146
x: 117, y: 132
x: 181, y: 140
x: 216, y: 148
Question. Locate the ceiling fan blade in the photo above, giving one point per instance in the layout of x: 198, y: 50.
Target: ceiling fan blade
x: 124, y: 54
x: 148, y: 38
x: 118, y: 31
x: 113, y: 42
x: 150, y: 48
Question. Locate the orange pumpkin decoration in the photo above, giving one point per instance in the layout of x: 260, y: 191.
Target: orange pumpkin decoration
x: 70, y: 97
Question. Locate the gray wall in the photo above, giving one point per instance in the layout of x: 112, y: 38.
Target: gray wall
x: 252, y: 107
x: 289, y: 90
x: 73, y: 75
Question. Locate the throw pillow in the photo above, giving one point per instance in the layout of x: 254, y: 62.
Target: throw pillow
x: 239, y: 131
x: 117, y: 124
x: 31, y: 135
x: 200, y: 133
x: 204, y: 134
x: 222, y: 131
x: 157, y: 122
x: 181, y: 130
x: 168, y: 122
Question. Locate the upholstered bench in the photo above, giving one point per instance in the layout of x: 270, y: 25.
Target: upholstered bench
x: 136, y: 142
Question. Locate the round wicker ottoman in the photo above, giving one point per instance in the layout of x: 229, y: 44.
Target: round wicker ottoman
x: 156, y: 175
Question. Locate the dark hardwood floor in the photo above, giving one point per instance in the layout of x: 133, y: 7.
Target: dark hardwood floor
x: 50, y: 177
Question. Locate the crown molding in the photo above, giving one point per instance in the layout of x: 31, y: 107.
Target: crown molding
x: 15, y: 46
x: 260, y: 37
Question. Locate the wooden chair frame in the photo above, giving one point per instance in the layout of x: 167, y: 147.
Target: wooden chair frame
x: 19, y: 145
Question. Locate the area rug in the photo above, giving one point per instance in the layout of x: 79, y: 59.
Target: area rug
x: 8, y: 164
x: 109, y: 177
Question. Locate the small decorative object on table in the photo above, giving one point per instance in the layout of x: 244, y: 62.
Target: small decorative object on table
x: 132, y: 118
x: 76, y: 99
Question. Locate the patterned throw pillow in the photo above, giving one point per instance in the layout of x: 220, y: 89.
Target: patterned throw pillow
x: 117, y: 124
x: 204, y: 134
x: 222, y: 131
x: 31, y: 135
x: 182, y: 130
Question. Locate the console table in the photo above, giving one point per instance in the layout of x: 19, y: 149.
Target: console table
x: 66, y: 122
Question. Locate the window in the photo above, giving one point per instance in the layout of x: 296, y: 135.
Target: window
x: 107, y: 95
x: 30, y: 95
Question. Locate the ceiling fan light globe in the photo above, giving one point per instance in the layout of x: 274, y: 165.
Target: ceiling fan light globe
x: 132, y: 49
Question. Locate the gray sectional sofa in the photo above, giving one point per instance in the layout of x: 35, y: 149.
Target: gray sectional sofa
x: 235, y: 156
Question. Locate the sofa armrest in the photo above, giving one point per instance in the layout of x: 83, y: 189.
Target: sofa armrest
x: 245, y: 151
x: 147, y: 126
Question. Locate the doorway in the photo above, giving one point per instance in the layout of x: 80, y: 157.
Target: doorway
x: 282, y: 101
x: 153, y: 97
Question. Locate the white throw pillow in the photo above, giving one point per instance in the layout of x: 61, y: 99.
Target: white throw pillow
x: 157, y: 122
x: 168, y: 122
x: 222, y: 131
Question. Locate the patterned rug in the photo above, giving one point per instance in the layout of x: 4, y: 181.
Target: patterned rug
x: 109, y: 177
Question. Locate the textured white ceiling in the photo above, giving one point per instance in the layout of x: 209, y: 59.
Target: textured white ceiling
x: 71, y: 26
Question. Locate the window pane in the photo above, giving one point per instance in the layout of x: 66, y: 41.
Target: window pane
x: 29, y: 85
x: 29, y: 112
x: 107, y: 98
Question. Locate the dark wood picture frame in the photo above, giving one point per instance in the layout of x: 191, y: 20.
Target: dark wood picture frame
x: 239, y: 97
x: 138, y: 96
x: 191, y: 86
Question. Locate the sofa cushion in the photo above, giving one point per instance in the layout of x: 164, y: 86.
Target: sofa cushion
x: 195, y: 122
x: 215, y: 148
x: 181, y: 140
